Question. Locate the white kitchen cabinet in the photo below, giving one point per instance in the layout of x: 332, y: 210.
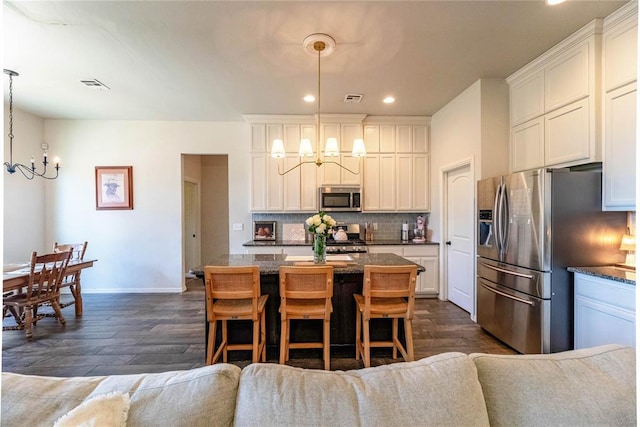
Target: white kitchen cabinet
x: 404, y: 182
x: 371, y: 182
x: 604, y: 312
x: 372, y: 138
x: 404, y: 138
x: 258, y: 138
x: 619, y: 67
x: 619, y: 47
x: 309, y: 187
x: 619, y: 160
x: 527, y: 98
x: 567, y: 78
x: 412, y: 176
x: 291, y: 184
x: 555, y: 104
x: 566, y: 134
x: 387, y: 183
x: 420, y: 183
x: 275, y: 186
x: 355, y: 165
x: 424, y: 255
x: 527, y: 145
x: 420, y: 139
x: 387, y: 138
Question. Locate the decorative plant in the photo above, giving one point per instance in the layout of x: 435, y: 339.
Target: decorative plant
x: 320, y: 223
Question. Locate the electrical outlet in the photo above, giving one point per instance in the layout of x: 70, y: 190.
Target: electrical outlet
x: 238, y: 227
x: 375, y: 225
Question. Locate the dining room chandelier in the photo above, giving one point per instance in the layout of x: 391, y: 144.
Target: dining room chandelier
x: 29, y: 172
x: 323, y: 45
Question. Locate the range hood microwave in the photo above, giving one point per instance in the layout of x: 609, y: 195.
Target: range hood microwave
x: 339, y: 198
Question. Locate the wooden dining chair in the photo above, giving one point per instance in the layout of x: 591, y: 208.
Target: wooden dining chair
x: 233, y: 293
x: 387, y: 292
x: 72, y: 281
x: 46, y: 273
x: 305, y: 293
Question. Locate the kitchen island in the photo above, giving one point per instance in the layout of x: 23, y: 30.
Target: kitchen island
x: 347, y: 281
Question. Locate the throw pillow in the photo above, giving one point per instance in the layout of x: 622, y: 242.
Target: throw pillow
x: 105, y: 410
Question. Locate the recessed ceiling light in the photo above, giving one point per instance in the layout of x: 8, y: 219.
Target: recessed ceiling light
x: 309, y: 98
x: 554, y: 2
x: 389, y: 100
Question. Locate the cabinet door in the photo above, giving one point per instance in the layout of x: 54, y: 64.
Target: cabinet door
x: 404, y: 138
x: 421, y: 182
x: 567, y: 77
x: 291, y: 182
x: 387, y: 139
x: 354, y: 164
x: 567, y: 134
x: 329, y: 173
x: 258, y: 138
x: 619, y: 165
x: 387, y: 181
x: 349, y: 132
x: 527, y: 98
x: 274, y: 131
x: 404, y: 181
x: 291, y: 138
x: 371, y: 184
x: 420, y: 139
x: 427, y: 282
x: 620, y: 54
x: 308, y: 187
x: 275, y: 185
x: 527, y: 145
x: 604, y: 312
x: 259, y: 181
x: 372, y: 138
x: 385, y: 249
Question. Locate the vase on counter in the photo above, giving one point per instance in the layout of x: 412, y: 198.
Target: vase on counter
x: 320, y: 248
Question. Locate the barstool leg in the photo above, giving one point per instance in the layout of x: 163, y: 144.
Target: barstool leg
x: 358, y: 332
x: 212, y: 342
x: 263, y: 337
x: 283, y: 341
x: 367, y: 344
x: 224, y: 341
x: 394, y: 337
x: 408, y: 331
x: 325, y: 346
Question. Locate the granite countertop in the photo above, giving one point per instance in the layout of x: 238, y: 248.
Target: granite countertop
x: 618, y: 274
x: 276, y: 243
x: 269, y: 263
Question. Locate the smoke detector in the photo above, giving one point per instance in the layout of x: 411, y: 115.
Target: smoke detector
x: 353, y: 98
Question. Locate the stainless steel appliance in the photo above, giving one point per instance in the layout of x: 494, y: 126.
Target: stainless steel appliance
x: 341, y: 198
x: 354, y: 243
x: 531, y: 226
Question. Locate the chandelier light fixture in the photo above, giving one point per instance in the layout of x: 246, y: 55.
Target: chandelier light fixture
x: 324, y: 45
x: 28, y: 172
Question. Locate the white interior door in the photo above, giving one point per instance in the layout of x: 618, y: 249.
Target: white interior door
x: 459, y: 237
x: 191, y: 234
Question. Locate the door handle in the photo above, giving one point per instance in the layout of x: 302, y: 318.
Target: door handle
x: 495, y: 291
x: 448, y: 243
x: 502, y: 270
x: 194, y: 235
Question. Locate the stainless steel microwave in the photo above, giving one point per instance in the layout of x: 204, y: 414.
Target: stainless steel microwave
x: 339, y: 198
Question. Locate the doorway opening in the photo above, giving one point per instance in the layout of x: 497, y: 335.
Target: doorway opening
x: 205, y: 209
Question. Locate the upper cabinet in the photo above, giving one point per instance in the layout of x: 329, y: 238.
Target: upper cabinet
x: 394, y: 175
x: 619, y: 70
x: 396, y: 169
x: 554, y: 104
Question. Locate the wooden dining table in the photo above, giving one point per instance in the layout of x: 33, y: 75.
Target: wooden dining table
x: 18, y: 277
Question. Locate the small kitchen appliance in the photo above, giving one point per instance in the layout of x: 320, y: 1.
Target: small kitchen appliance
x: 354, y: 243
x: 341, y: 198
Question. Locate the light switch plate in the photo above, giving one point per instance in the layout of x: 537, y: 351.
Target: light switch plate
x: 238, y: 227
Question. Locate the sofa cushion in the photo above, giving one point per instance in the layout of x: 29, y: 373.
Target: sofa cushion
x: 199, y: 397
x: 438, y: 390
x: 594, y: 386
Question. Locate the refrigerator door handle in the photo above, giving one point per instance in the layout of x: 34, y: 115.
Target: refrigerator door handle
x: 504, y: 217
x: 496, y: 222
x: 495, y: 291
x: 501, y: 270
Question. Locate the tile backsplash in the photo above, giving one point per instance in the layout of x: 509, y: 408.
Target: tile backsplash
x: 389, y: 224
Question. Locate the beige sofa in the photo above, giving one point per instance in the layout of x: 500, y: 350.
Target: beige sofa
x: 583, y: 387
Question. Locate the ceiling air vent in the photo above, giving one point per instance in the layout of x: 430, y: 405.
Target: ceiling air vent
x: 94, y: 84
x: 353, y: 98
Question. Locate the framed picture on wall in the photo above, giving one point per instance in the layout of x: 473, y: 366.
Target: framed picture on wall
x: 264, y: 230
x: 114, y: 187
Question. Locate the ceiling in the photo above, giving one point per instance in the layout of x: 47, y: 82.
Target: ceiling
x: 217, y: 60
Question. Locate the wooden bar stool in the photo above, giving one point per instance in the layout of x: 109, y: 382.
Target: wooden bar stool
x: 387, y: 292
x: 233, y: 293
x: 305, y: 293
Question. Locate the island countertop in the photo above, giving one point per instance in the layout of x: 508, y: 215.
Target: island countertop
x: 270, y: 263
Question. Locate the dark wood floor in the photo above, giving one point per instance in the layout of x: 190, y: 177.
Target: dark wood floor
x: 136, y: 333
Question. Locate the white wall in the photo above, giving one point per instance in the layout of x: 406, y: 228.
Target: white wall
x: 24, y: 200
x: 475, y: 124
x: 138, y: 250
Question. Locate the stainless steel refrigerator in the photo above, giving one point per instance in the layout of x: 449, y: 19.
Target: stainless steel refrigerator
x: 531, y: 226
